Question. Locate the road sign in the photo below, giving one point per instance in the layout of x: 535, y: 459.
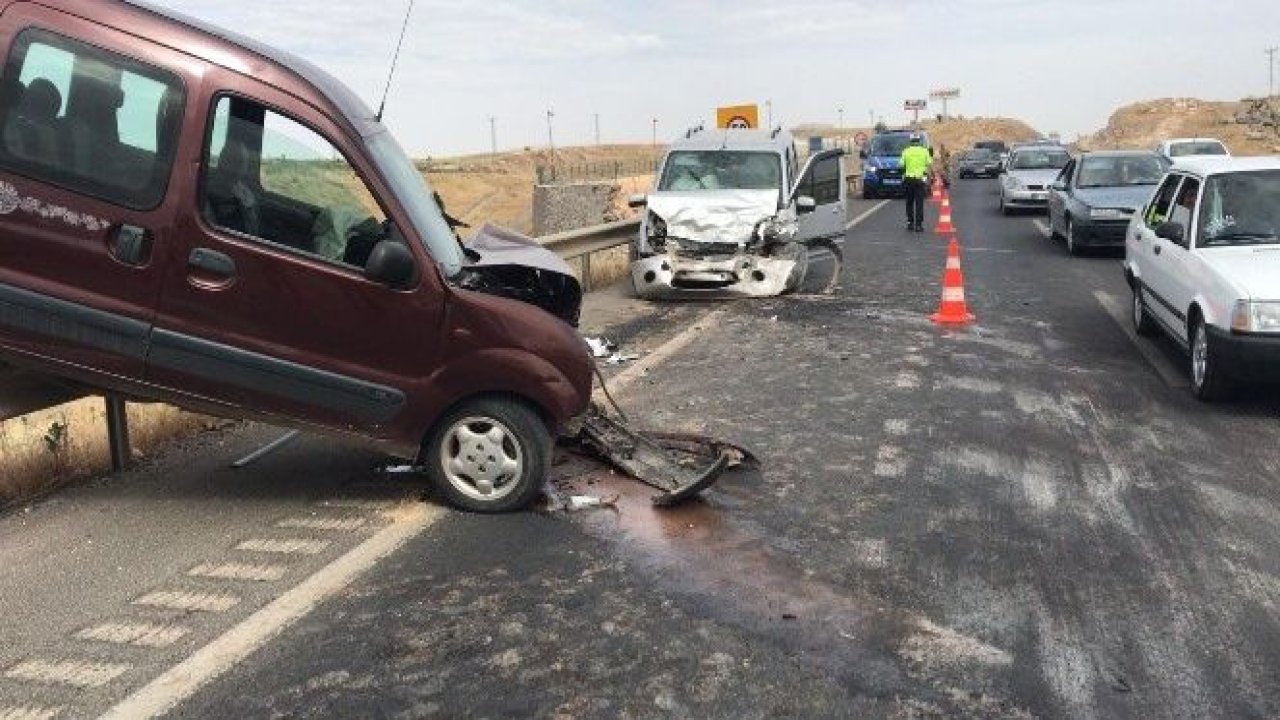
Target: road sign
x: 944, y: 94
x: 915, y: 105
x: 738, y: 117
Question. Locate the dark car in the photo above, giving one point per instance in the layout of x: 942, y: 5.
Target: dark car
x: 1091, y: 201
x: 192, y: 217
x: 978, y: 163
x: 882, y: 162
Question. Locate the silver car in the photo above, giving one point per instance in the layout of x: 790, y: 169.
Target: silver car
x: 1030, y: 171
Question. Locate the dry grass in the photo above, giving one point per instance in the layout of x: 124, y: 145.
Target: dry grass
x: 46, y: 450
x: 1143, y: 125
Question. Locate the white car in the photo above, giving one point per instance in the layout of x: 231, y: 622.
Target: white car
x: 1203, y: 259
x: 1030, y: 171
x: 1174, y: 148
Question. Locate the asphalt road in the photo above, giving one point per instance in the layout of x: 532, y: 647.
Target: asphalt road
x: 1029, y: 517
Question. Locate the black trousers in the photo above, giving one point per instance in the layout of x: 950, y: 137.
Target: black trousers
x: 916, y: 190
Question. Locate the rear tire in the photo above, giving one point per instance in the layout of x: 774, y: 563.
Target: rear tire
x: 489, y: 455
x: 1209, y: 381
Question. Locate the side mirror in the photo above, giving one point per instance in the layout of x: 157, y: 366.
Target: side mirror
x: 805, y: 205
x: 637, y: 201
x: 1173, y: 232
x: 391, y: 264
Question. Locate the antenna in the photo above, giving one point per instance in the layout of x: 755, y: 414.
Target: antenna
x: 394, y: 60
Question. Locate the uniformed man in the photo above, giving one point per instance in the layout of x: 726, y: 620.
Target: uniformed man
x: 916, y: 161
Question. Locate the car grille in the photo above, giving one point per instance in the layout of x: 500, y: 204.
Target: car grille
x: 1035, y: 187
x: 891, y: 173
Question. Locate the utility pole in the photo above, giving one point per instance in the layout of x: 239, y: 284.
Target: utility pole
x: 655, y: 136
x: 768, y: 107
x: 840, y: 112
x: 493, y: 134
x: 1271, y: 71
x: 597, y: 119
x: 551, y: 139
x: 872, y: 112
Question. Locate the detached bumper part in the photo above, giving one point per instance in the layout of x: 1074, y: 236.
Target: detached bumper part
x: 740, y: 275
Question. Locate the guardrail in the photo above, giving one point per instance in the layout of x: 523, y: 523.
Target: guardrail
x: 27, y: 392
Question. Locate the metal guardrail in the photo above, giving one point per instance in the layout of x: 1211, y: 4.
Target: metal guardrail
x: 585, y: 242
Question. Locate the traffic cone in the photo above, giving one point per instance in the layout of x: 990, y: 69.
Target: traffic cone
x: 953, y: 310
x: 936, y: 197
x: 944, y: 217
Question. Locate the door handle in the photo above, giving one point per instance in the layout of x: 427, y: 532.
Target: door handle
x: 130, y: 245
x: 212, y: 262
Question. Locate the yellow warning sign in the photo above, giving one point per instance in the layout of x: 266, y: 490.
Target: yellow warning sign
x: 738, y: 117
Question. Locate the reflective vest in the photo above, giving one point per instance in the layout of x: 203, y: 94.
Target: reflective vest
x: 915, y: 162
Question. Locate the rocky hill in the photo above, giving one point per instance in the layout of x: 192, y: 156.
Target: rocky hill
x: 1248, y: 127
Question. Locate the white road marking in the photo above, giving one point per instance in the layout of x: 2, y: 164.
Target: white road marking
x: 239, y: 571
x: 76, y: 673
x: 139, y: 634
x: 854, y: 222
x: 1042, y: 227
x: 285, y: 547
x: 182, y: 681
x: 335, y: 524
x: 1172, y: 375
x: 189, y: 601
x: 28, y: 712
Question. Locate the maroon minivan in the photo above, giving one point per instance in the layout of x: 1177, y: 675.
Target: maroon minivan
x: 191, y: 217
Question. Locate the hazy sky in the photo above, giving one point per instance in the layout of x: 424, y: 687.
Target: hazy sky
x: 1061, y: 65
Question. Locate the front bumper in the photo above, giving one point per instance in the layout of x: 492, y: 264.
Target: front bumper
x: 1026, y: 198
x: 740, y: 275
x: 884, y: 185
x: 1253, y: 358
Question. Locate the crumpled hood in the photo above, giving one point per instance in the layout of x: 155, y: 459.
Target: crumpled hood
x: 1130, y: 197
x: 1253, y: 268
x: 513, y: 266
x: 718, y: 216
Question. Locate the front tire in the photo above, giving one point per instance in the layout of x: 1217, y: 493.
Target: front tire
x: 489, y: 455
x: 1143, y: 324
x: 1073, y: 247
x: 1209, y: 380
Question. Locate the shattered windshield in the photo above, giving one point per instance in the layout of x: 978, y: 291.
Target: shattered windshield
x: 1241, y: 208
x: 882, y: 145
x: 411, y: 190
x: 722, y: 170
x: 1120, y: 170
x: 1040, y: 160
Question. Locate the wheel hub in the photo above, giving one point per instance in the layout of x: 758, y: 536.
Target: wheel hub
x: 482, y: 459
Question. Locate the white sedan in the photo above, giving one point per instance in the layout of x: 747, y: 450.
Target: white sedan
x: 1203, y: 259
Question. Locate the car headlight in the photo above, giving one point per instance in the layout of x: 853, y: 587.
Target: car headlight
x: 657, y: 227
x: 871, y: 170
x: 1108, y: 213
x: 1252, y: 316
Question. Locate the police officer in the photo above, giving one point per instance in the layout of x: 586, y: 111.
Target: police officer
x: 916, y: 161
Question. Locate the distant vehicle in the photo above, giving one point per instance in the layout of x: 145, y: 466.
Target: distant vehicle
x: 882, y: 162
x: 732, y: 213
x: 1025, y: 182
x: 1091, y: 202
x: 1203, y: 259
x: 1176, y: 148
x: 979, y: 163
x: 999, y: 147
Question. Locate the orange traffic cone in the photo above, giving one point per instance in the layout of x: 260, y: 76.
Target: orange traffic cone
x: 944, y: 218
x: 953, y: 310
x: 936, y: 197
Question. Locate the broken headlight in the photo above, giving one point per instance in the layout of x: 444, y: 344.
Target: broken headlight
x: 657, y: 226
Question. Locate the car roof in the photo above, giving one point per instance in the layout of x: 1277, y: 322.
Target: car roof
x: 1205, y: 165
x: 724, y: 139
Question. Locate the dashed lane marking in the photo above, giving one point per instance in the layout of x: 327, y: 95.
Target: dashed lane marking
x: 137, y: 634
x: 284, y: 547
x: 75, y: 673
x: 239, y: 571
x: 337, y: 524
x: 854, y: 222
x: 1044, y: 229
x: 188, y: 601
x: 28, y: 712
x: 1172, y: 376
x: 180, y: 682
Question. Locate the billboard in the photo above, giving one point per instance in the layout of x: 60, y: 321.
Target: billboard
x: 738, y: 117
x: 915, y: 104
x: 945, y: 93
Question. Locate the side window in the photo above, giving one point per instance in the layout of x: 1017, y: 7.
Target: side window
x: 1185, y: 204
x: 272, y: 178
x: 1158, y: 210
x: 88, y: 120
x: 823, y: 181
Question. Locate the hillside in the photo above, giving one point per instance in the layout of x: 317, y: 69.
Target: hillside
x: 953, y: 134
x: 1248, y: 127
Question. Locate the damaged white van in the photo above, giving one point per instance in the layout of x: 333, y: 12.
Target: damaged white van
x: 733, y: 214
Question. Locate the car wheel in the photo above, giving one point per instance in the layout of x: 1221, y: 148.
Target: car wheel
x: 1208, y: 378
x: 1143, y: 324
x: 868, y: 194
x: 1073, y: 247
x: 489, y: 455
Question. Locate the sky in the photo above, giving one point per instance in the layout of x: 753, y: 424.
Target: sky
x: 1062, y: 65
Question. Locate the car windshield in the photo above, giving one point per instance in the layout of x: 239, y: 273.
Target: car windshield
x: 1120, y: 170
x: 1241, y: 208
x: 1184, y: 149
x: 980, y: 155
x: 992, y: 146
x: 883, y: 145
x: 722, y: 170
x: 418, y: 201
x: 1040, y: 160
